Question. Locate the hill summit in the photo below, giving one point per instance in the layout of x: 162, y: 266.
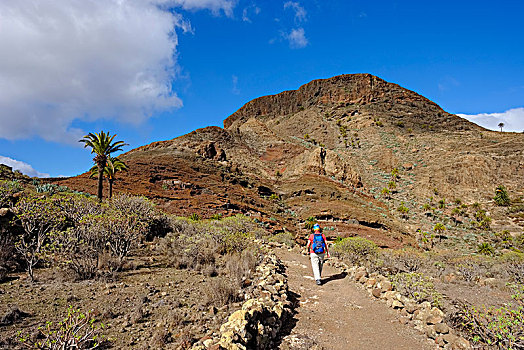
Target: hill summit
x: 328, y: 149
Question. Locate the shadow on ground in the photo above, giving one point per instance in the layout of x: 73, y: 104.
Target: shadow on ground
x: 334, y: 277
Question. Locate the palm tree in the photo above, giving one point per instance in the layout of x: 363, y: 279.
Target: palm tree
x: 113, y: 166
x: 439, y: 228
x: 102, y: 145
x: 310, y: 221
x: 501, y: 125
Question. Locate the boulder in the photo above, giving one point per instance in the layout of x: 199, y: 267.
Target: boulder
x: 441, y: 328
x: 430, y: 332
x: 376, y: 292
x: 359, y: 275
x: 386, y: 286
x: 370, y: 282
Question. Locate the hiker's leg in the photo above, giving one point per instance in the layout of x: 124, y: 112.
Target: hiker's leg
x: 315, y: 265
x: 320, y: 263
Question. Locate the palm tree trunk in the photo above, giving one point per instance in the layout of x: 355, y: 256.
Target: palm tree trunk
x: 100, y: 181
x: 110, y: 188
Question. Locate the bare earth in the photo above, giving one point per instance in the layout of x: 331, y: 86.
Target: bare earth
x: 341, y: 315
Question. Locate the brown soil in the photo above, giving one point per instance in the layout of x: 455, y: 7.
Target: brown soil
x: 150, y: 307
x: 341, y: 315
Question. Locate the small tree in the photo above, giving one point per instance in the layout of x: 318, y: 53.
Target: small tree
x: 439, y: 229
x: 310, y: 222
x: 395, y: 174
x: 38, y: 217
x: 501, y: 125
x: 501, y: 196
x: 403, y: 210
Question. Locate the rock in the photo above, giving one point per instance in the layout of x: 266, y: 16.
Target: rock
x: 359, y: 275
x: 433, y: 319
x: 450, y: 278
x: 441, y: 328
x: 435, y: 316
x: 208, y: 342
x: 411, y: 307
x: 439, y: 340
x: 389, y: 295
x: 396, y: 304
x: 370, y: 282
x: 449, y: 338
x: 430, y: 332
x: 376, y: 292
x: 460, y: 344
x: 426, y: 305
x: 421, y: 315
x: 386, y: 286
x: 484, y: 282
x: 363, y: 279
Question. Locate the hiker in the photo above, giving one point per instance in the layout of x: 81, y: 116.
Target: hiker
x: 317, y: 247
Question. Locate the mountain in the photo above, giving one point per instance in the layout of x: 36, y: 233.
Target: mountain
x: 327, y: 150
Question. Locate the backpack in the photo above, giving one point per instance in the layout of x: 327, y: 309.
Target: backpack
x: 318, y: 246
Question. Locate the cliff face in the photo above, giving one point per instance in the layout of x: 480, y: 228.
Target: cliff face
x: 326, y: 150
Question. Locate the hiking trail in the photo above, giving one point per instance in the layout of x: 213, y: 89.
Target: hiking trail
x: 339, y: 314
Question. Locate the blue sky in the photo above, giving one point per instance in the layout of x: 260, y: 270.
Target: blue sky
x: 152, y: 70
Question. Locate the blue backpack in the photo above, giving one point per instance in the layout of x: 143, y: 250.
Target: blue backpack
x: 318, y: 246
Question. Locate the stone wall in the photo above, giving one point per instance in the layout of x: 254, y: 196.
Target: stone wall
x: 257, y: 324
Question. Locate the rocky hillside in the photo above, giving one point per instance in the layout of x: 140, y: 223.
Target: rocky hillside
x: 328, y: 150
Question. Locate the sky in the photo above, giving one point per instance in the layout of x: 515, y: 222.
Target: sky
x: 150, y: 70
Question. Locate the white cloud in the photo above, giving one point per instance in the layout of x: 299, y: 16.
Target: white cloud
x: 300, y: 12
x: 22, y: 167
x: 253, y: 9
x: 296, y: 38
x: 214, y: 5
x: 235, y: 89
x: 67, y: 60
x: 513, y: 119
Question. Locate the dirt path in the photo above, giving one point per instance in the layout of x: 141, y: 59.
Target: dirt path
x: 341, y: 315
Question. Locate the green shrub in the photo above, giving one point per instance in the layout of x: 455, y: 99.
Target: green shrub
x: 518, y: 241
x: 485, y: 249
x: 216, y: 217
x: 404, y: 260
x: 77, y: 330
x: 156, y: 223
x: 195, y: 244
x: 38, y: 217
x: 286, y: 238
x: 501, y: 327
x: 472, y: 268
x: 7, y: 191
x: 513, y: 266
x: 274, y: 197
x: 194, y: 217
x: 403, y: 210
x: 501, y: 196
x: 310, y: 222
x: 356, y: 250
x: 416, y: 286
